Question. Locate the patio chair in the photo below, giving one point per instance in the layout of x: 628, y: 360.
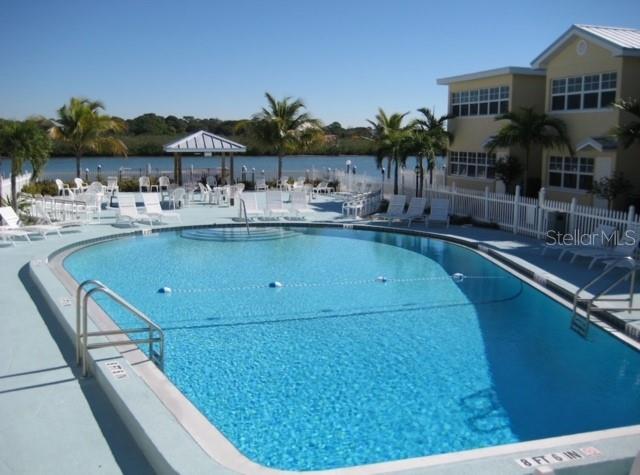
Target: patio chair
x: 81, y: 186
x: 395, y: 210
x: 415, y: 211
x: 128, y: 211
x: 112, y: 185
x: 439, y: 211
x: 163, y: 183
x: 261, y: 185
x: 299, y: 203
x: 12, y: 223
x: 275, y: 205
x: 63, y: 188
x: 145, y: 182
x: 323, y: 188
x: 153, y: 209
x: 179, y: 198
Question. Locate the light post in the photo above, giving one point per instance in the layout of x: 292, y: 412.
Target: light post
x: 98, y: 176
x: 86, y: 175
x: 382, y: 172
x: 244, y: 173
x: 348, y: 164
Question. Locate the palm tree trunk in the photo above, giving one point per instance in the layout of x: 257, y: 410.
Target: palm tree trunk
x: 388, y: 167
x: 279, y: 167
x: 526, y: 170
x: 419, y: 178
x: 78, y: 165
x: 395, y: 177
x: 14, y: 191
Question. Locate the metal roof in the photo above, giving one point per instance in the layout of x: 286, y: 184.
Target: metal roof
x: 204, y: 142
x: 491, y: 73
x: 620, y: 41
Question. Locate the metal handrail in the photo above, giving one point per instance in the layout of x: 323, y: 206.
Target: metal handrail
x: 598, y: 296
x: 82, y: 335
x: 243, y: 207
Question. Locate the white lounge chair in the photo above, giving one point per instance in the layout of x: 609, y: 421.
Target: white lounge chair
x: 42, y: 214
x: 128, y: 211
x: 395, y: 210
x: 563, y: 247
x: 12, y: 223
x: 251, y: 205
x: 299, y: 203
x: 153, y: 209
x: 415, y: 211
x: 600, y: 243
x: 624, y: 248
x: 275, y: 205
x: 112, y: 185
x: 439, y: 211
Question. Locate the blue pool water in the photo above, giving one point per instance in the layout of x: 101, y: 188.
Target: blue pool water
x: 337, y: 368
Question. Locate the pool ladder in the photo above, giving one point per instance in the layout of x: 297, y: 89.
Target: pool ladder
x: 154, y: 337
x: 243, y: 208
x: 581, y: 323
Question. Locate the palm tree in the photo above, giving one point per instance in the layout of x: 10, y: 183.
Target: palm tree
x: 82, y: 126
x: 392, y: 141
x: 431, y: 138
x: 527, y: 128
x: 22, y: 142
x: 629, y: 132
x: 281, y: 126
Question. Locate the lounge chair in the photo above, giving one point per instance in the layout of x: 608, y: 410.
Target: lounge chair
x: 602, y: 236
x: 128, y: 211
x: 12, y: 223
x: 439, y: 211
x: 624, y: 248
x: 299, y: 203
x: 251, y: 205
x: 563, y: 247
x: 153, y: 209
x: 415, y: 211
x: 42, y: 214
x: 112, y: 185
x: 7, y: 233
x: 395, y: 210
x: 275, y: 205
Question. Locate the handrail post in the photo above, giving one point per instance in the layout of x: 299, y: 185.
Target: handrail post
x: 79, y: 328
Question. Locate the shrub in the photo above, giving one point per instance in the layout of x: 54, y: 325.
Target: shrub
x: 128, y: 184
x: 45, y: 187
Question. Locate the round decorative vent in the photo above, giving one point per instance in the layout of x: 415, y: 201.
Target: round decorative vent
x: 581, y: 47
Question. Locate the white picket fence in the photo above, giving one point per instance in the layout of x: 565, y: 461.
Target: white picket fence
x: 531, y: 216
x: 5, y: 184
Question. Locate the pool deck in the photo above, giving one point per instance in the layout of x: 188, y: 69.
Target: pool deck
x: 53, y: 421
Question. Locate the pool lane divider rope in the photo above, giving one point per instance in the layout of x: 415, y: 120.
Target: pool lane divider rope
x: 457, y: 277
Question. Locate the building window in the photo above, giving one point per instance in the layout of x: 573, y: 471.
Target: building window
x: 472, y: 164
x: 583, y: 92
x: 575, y: 173
x: 488, y: 101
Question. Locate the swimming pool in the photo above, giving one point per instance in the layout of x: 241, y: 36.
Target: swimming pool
x: 340, y: 367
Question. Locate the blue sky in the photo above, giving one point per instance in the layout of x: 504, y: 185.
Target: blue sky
x: 217, y: 58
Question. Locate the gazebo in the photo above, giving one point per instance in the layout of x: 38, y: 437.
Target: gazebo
x: 204, y: 143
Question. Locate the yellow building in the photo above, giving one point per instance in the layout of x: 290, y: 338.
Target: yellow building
x: 587, y: 68
x: 476, y: 100
x: 575, y: 79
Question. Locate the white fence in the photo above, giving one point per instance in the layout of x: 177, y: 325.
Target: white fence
x: 5, y: 184
x: 531, y: 216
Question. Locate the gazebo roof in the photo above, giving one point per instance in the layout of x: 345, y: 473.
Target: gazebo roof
x: 204, y: 142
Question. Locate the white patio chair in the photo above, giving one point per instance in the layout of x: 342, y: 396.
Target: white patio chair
x: 439, y: 211
x: 12, y: 223
x: 62, y: 187
x: 81, y: 186
x: 144, y: 182
x: 128, y: 210
x: 275, y: 204
x: 323, y: 188
x: 163, y: 183
x: 112, y: 185
x: 179, y: 198
x: 299, y: 203
x: 395, y: 210
x: 153, y: 209
x: 261, y: 185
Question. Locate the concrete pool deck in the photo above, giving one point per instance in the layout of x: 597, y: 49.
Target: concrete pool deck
x: 52, y: 418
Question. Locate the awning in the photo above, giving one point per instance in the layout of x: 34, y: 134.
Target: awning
x: 204, y: 142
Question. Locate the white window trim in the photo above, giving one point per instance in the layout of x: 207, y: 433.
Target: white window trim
x: 566, y: 93
x: 468, y: 91
x: 467, y: 177
x: 562, y: 172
